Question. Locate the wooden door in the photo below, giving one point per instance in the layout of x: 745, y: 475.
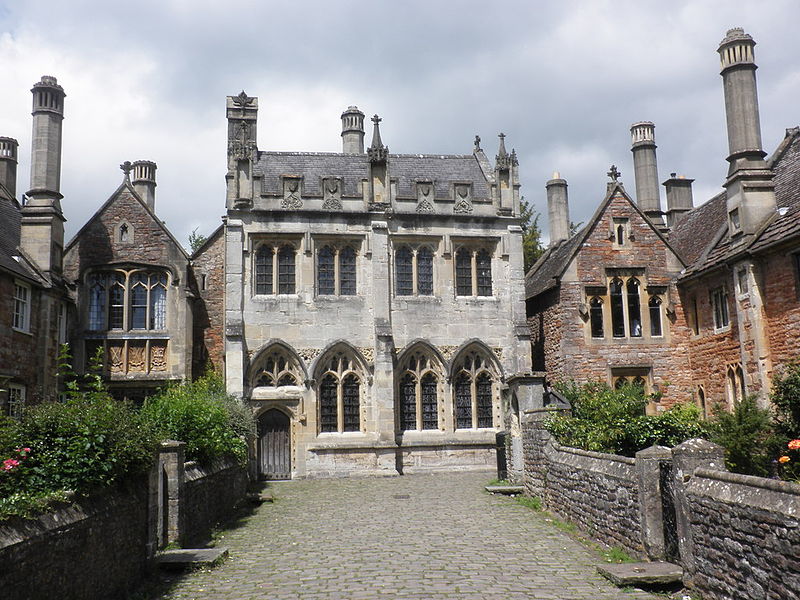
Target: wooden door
x: 273, y: 445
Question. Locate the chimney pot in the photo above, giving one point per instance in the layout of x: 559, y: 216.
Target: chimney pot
x: 645, y: 168
x: 144, y: 181
x: 679, y: 197
x: 8, y: 164
x: 353, y: 131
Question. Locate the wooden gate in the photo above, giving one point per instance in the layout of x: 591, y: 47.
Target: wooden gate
x: 274, y: 455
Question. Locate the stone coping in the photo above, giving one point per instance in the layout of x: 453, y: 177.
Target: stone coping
x: 598, y: 455
x: 782, y: 497
x: 776, y: 485
x: 194, y: 471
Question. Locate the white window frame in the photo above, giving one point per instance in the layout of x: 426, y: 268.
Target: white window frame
x: 16, y: 400
x: 21, y: 319
x: 720, y: 308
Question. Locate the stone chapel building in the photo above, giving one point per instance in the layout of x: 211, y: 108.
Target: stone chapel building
x: 693, y: 303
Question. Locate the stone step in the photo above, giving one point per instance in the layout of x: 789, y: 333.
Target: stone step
x: 185, y: 558
x: 504, y: 489
x: 259, y: 497
x: 642, y: 574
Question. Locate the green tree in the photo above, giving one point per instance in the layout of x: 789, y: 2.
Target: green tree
x: 196, y: 240
x: 532, y: 247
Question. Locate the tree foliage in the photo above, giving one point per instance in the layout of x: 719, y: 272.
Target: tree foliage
x: 532, y: 247
x: 196, y: 240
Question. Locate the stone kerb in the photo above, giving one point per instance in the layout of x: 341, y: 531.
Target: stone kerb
x: 686, y: 457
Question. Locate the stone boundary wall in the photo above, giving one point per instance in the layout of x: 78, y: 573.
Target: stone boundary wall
x: 735, y: 536
x: 95, y: 548
x: 101, y: 547
x: 210, y: 496
x: 746, y: 533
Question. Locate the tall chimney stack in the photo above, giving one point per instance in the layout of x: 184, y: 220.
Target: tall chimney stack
x: 750, y: 187
x: 645, y: 167
x: 353, y: 131
x: 679, y: 197
x: 8, y: 164
x: 144, y: 181
x: 557, y: 209
x: 42, y: 223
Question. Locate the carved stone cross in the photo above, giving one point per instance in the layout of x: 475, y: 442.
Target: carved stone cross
x: 126, y: 167
x: 614, y: 173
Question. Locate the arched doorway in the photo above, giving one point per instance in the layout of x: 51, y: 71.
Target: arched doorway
x: 274, y: 448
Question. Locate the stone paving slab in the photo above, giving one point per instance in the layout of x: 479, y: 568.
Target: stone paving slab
x: 426, y: 537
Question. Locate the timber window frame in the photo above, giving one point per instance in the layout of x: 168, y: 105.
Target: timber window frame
x: 16, y: 400
x: 22, y: 307
x: 472, y: 271
x: 626, y: 308
x: 128, y: 299
x: 337, y: 269
x: 413, y: 269
x: 275, y: 268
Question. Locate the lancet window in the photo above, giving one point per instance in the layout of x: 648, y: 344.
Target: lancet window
x: 474, y: 391
x: 339, y: 395
x: 419, y: 392
x: 413, y: 271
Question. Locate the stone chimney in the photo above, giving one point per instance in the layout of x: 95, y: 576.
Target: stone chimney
x: 8, y: 164
x: 144, y: 181
x: 645, y: 168
x: 679, y: 197
x: 750, y: 187
x: 42, y: 223
x: 557, y: 209
x: 353, y: 131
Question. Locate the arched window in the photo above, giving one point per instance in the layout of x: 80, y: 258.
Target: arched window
x: 286, y: 269
x: 617, y: 309
x: 326, y: 271
x: 264, y: 268
x: 634, y: 308
x: 277, y: 368
x: 97, y: 301
x: 596, y: 317
x: 404, y: 271
x: 123, y: 233
x: 655, y: 316
x: 425, y: 271
x: 620, y: 234
x: 463, y: 272
x: 116, y: 301
x: 474, y: 396
x: 339, y: 393
x: 740, y: 382
x: 418, y: 389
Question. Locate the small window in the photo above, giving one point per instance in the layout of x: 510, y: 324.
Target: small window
x: 425, y: 271
x: 286, y: 281
x: 404, y: 271
x: 62, y: 323
x: 621, y: 233
x: 719, y: 305
x: 695, y: 316
x: 22, y: 306
x: 734, y: 218
x: 654, y: 306
x: 16, y: 400
x: 473, y: 272
x: 326, y: 271
x: 634, y: 308
x: 414, y: 271
x: 264, y: 267
x: 741, y: 278
x: 596, y: 317
x: 617, y: 309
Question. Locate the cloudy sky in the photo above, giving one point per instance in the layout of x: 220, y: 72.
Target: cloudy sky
x: 564, y: 80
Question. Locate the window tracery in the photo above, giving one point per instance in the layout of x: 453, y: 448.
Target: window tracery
x: 420, y: 399
x: 475, y: 381
x: 339, y: 394
x: 279, y: 367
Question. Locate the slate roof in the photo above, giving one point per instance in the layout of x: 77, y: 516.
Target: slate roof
x: 695, y: 230
x: 442, y: 169
x: 9, y: 238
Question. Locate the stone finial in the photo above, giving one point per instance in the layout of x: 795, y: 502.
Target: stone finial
x: 613, y: 173
x: 126, y: 168
x: 503, y: 159
x: 477, y: 147
x: 377, y: 151
x: 242, y: 99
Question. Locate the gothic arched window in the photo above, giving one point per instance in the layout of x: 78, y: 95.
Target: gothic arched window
x: 634, y: 308
x: 474, y: 395
x: 617, y: 309
x: 420, y: 400
x: 277, y: 368
x: 596, y: 317
x: 339, y: 394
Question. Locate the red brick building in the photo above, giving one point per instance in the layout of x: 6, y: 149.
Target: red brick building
x: 696, y: 303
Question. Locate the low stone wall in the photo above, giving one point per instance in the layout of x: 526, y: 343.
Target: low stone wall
x: 746, y: 535
x: 597, y: 492
x: 95, y: 548
x: 209, y: 497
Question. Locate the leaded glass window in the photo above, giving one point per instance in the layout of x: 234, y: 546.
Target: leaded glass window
x: 116, y: 304
x: 326, y: 271
x: 347, y: 271
x: 138, y: 301
x: 655, y: 316
x: 463, y: 272
x: 328, y: 399
x: 350, y: 404
x: 617, y: 309
x: 264, y: 265
x: 128, y: 300
x: 483, y: 396
x: 404, y: 271
x: 484, y: 269
x: 430, y: 405
x: 463, y: 402
x: 97, y: 302
x: 286, y: 283
x: 408, y: 402
x: 596, y: 317
x: 634, y: 308
x: 425, y: 271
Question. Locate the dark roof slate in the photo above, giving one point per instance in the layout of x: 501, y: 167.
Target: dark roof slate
x: 545, y: 272
x: 9, y: 239
x: 442, y: 169
x: 695, y: 230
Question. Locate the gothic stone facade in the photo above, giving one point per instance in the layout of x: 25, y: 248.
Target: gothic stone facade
x: 374, y: 310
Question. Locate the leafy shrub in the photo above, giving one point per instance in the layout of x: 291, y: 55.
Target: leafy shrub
x: 747, y: 435
x: 613, y: 420
x: 212, y: 423
x: 785, y: 399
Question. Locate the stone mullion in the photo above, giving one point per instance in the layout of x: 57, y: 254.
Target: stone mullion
x: 474, y: 264
x: 414, y: 276
x: 339, y: 405
x: 337, y: 272
x: 473, y: 390
x: 418, y: 395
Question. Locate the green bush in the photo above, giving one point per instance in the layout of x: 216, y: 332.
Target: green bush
x: 212, y: 423
x: 785, y: 399
x: 613, y: 420
x: 747, y: 435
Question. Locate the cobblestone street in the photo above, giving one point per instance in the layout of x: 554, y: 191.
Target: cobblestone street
x: 417, y: 536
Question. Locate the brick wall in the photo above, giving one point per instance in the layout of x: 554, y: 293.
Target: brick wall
x: 782, y: 306
x: 208, y: 272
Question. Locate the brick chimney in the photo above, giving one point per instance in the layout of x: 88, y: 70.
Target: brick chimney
x: 557, y: 209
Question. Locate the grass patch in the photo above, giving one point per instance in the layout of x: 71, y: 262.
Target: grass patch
x: 498, y: 482
x: 533, y: 503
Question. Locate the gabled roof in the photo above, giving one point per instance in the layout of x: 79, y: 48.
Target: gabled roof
x: 407, y: 169
x: 701, y: 235
x: 544, y: 274
x: 124, y: 186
